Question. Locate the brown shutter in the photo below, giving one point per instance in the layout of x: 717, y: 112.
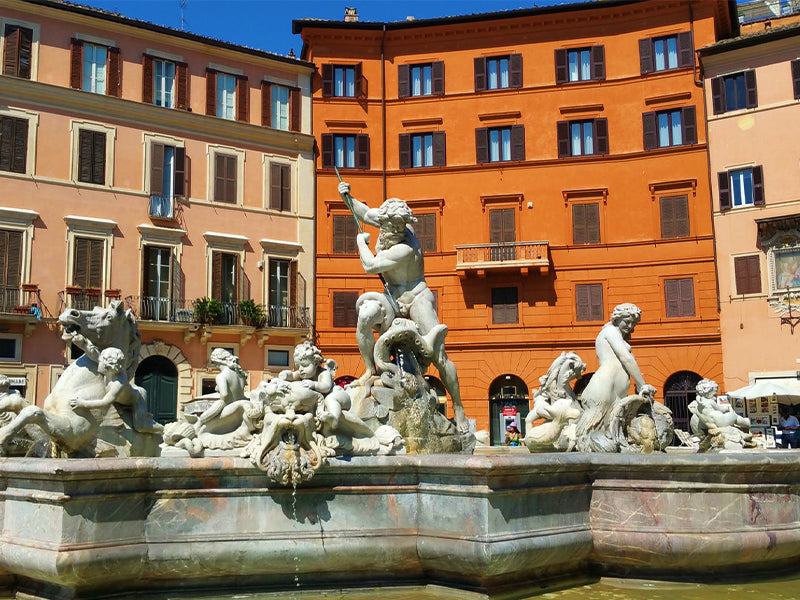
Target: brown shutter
x: 114, y: 79
x: 750, y: 87
x: 25, y: 57
x: 327, y: 81
x: 80, y: 262
x: 11, y: 51
x: 405, y: 150
x: 95, y: 263
x: 403, y: 81
x: 98, y: 157
x: 758, y: 186
x: 147, y: 78
x: 266, y: 104
x: 275, y: 186
x: 593, y: 223
x: 685, y: 49
x: 686, y: 287
x: 362, y: 151
x: 689, y: 125
x: 230, y: 179
x: 667, y: 205
x: 649, y: 130
x: 480, y: 75
x: 672, y: 297
x: 7, y: 128
x: 182, y: 80
x: 509, y: 228
x: 482, y: 145
x: 219, y: 178
x: 495, y: 226
x: 562, y: 133
x: 211, y: 92
x: 724, y: 190
x: 180, y: 172
x: 596, y: 301
x: 796, y: 78
x: 344, y: 309
x: 598, y: 62
x: 295, y: 122
x: 85, y: 155
x: 358, y: 80
x: 583, y: 308
x: 601, y: 136
x: 327, y: 150
x: 717, y: 95
x: 437, y: 78
x: 681, y: 207
x: 13, y: 144
x: 646, y: 62
x: 517, y: 142
x: 216, y: 275
x: 748, y: 274
x: 242, y: 100
x: 562, y: 73
x: 439, y: 149
x: 286, y: 188
x: 578, y: 223
x: 76, y: 64
x: 515, y: 70
x: 12, y: 270
x: 156, y: 169
x: 293, y: 283
x: 425, y: 230
x: 339, y: 233
x: 146, y: 262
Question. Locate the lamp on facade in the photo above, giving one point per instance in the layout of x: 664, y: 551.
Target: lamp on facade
x: 790, y: 318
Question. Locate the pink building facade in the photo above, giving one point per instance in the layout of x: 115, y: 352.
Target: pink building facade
x: 752, y: 86
x: 157, y: 168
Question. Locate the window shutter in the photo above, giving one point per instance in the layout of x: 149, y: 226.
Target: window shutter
x: 176, y: 278
x: 596, y: 301
x: 286, y: 188
x: 147, y: 261
x: 327, y: 80
x: 362, y: 151
x: 482, y: 145
x: 80, y: 262
x: 344, y: 309
x: 147, y: 78
x: 583, y: 307
x: 758, y: 186
x: 667, y: 218
x: 95, y: 264
x: 686, y: 287
x: 750, y: 86
x: 649, y: 130
x: 211, y: 92
x: 681, y: 208
x: 339, y: 234
x: 85, y: 156
x: 403, y: 81
x: 293, y: 283
x: 562, y: 133
x: 796, y: 77
x: 689, y: 125
x: 11, y: 51
x: 216, y: 275
x: 405, y: 150
x: 509, y: 229
x: 242, y: 100
x: 515, y: 71
x: 25, y: 56
x: 598, y: 62
x: 327, y: 150
x: 517, y: 142
x: 182, y: 81
x: 358, y: 80
x: 561, y: 66
x: 7, y: 128
x: 219, y: 178
x: 724, y: 190
x: 592, y: 223
x: 480, y: 75
x: 425, y: 230
x: 646, y: 63
x: 672, y: 297
x: 266, y: 104
x: 717, y: 95
x: 578, y: 223
x: 76, y: 64
x: 437, y: 78
x: 156, y: 169
x: 685, y: 49
x: 439, y: 149
x: 495, y: 226
x: 10, y: 258
x: 180, y: 172
x: 601, y: 136
x: 114, y: 79
x: 98, y: 157
x: 230, y: 179
x: 295, y: 122
x: 13, y: 144
x: 748, y: 274
x: 275, y: 186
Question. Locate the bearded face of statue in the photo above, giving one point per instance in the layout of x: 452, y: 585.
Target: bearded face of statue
x: 390, y: 234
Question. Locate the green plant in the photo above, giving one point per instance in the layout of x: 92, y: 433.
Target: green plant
x: 252, y: 314
x: 207, y: 310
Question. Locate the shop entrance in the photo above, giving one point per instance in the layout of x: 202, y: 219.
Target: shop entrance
x: 508, y: 403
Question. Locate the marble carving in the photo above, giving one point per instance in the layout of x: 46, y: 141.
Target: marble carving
x: 715, y: 423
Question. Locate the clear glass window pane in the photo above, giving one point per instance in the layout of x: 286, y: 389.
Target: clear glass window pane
x: 344, y: 147
x: 168, y: 183
x: 658, y: 52
x: 572, y: 58
x: 494, y: 145
x: 416, y: 150
x: 677, y: 135
x: 575, y: 138
x: 491, y: 74
x: 94, y: 68
x: 280, y: 107
x: 427, y: 80
x: 663, y: 129
x: 416, y: 81
x: 279, y: 283
x: 672, y: 52
x: 278, y: 358
x: 226, y: 96
x: 503, y: 72
x: 586, y: 65
x: 505, y: 135
x: 344, y: 81
x: 588, y: 138
x: 742, y: 187
x: 429, y: 150
x: 164, y: 83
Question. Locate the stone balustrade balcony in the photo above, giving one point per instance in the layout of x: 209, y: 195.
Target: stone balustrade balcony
x: 503, y: 256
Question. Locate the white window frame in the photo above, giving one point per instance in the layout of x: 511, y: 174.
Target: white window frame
x: 223, y: 242
x: 279, y: 250
x: 221, y: 99
x: 156, y: 77
x: 36, y: 28
x: 111, y: 136
x: 33, y: 127
x: 90, y: 227
x: 17, y: 337
x: 277, y: 369
x: 92, y: 78
x: 165, y: 237
x: 148, y: 139
x: 211, y: 152
x: 232, y: 347
x: 277, y: 103
x: 266, y: 159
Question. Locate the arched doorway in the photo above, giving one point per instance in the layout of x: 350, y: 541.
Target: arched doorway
x: 679, y: 391
x: 508, y: 403
x: 441, y: 393
x: 158, y: 375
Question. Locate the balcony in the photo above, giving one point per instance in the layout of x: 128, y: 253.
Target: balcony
x: 503, y: 256
x: 22, y: 304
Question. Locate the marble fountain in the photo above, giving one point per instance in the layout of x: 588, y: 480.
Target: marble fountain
x: 297, y: 482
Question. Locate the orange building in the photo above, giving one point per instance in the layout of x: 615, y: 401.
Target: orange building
x: 556, y: 160
x: 156, y: 167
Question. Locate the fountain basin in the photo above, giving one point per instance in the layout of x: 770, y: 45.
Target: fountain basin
x: 86, y: 528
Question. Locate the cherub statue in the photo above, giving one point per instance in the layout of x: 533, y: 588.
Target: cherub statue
x: 716, y: 423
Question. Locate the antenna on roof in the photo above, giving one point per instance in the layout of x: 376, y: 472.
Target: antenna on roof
x: 183, y: 4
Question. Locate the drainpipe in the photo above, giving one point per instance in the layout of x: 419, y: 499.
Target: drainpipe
x: 383, y: 110
x: 698, y: 80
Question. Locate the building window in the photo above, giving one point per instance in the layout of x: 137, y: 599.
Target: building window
x: 747, y: 270
x: 280, y: 186
x: 666, y: 52
x: 226, y: 96
x: 741, y: 187
x: 679, y: 297
x: 225, y: 283
x: 167, y: 178
x: 277, y: 359
x: 345, y: 230
x: 92, y: 156
x: 425, y: 230
x: 341, y: 81
x: 505, y: 306
x: 582, y: 138
x: 674, y: 212
x: 422, y: 149
x: 420, y: 80
x: 580, y: 64
x: 156, y: 283
x: 10, y: 268
x: 10, y: 348
x: 225, y: 178
x: 796, y: 78
x: 345, y: 151
x: 17, y: 51
x: 498, y: 72
x: 164, y: 83
x: 669, y: 128
x: 498, y: 144
x: 87, y: 263
x: 734, y: 91
x: 586, y: 223
x: 13, y: 144
x: 95, y: 68
x: 279, y: 107
x: 589, y: 301
x: 344, y: 309
x: 282, y: 295
x: 502, y: 234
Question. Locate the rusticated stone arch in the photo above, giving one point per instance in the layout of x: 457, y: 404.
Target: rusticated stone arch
x: 173, y: 353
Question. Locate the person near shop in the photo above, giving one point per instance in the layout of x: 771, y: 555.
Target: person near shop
x: 512, y: 436
x: 789, y: 425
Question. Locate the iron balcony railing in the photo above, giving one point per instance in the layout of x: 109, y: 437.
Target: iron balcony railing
x: 22, y: 300
x: 493, y: 255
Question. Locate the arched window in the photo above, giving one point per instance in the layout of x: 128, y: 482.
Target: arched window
x: 508, y: 403
x: 679, y: 391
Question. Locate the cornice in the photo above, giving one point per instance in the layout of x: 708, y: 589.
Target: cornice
x: 148, y: 116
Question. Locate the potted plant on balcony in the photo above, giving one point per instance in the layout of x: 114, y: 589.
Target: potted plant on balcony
x: 252, y: 314
x: 207, y: 310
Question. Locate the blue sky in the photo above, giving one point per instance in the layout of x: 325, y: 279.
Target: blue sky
x: 267, y: 24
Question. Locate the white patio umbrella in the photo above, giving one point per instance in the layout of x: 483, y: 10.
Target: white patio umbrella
x: 786, y: 392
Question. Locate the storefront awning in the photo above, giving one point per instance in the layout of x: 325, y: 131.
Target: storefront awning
x: 786, y: 390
